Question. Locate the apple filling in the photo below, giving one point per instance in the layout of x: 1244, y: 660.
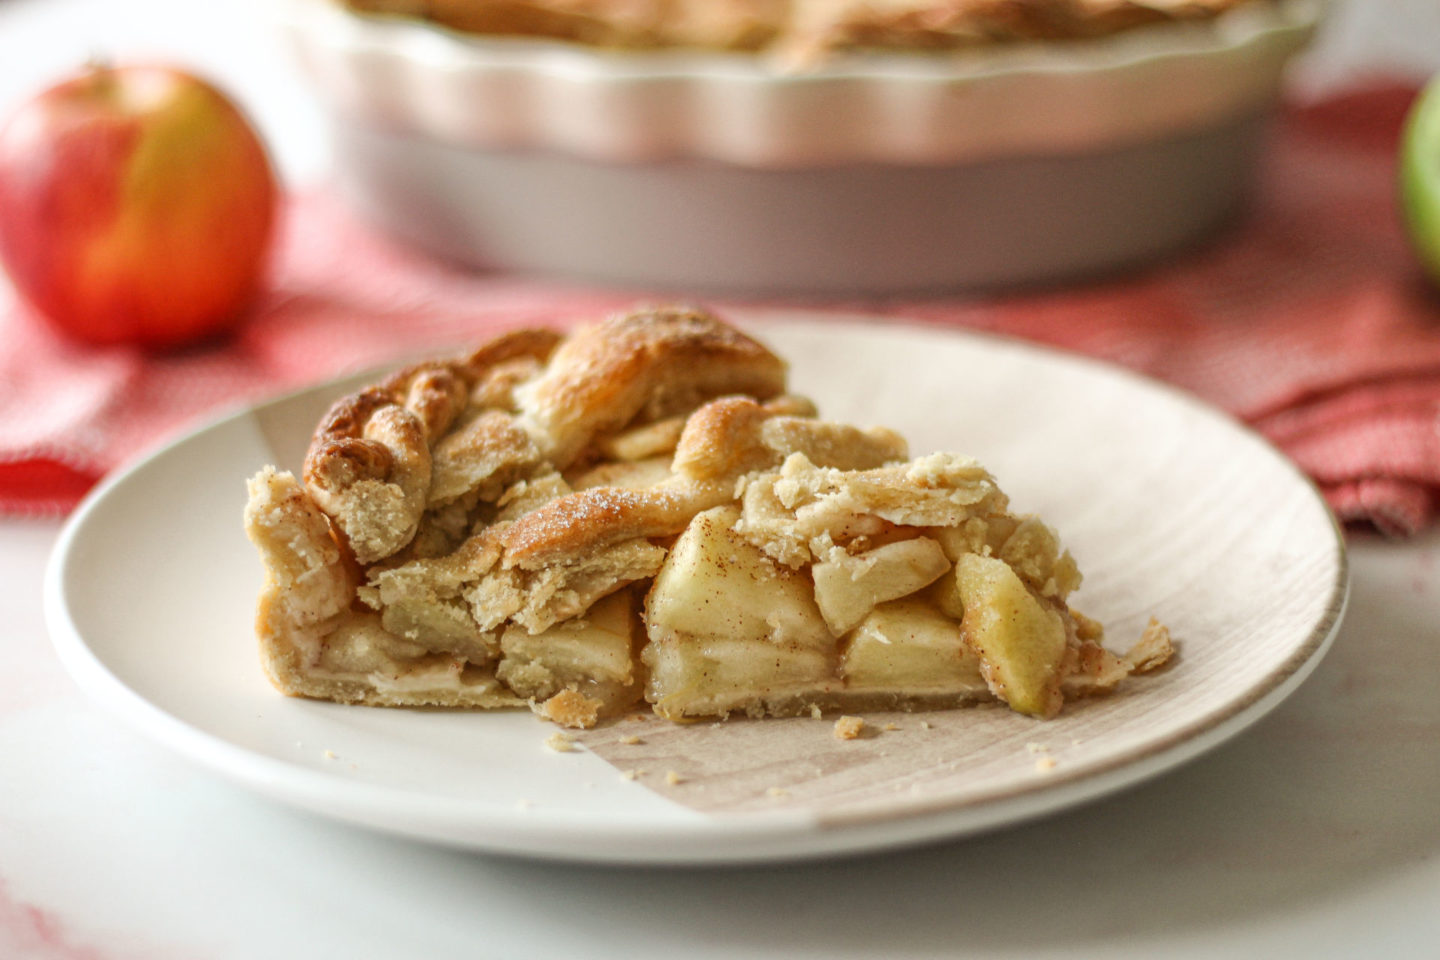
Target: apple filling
x: 906, y: 586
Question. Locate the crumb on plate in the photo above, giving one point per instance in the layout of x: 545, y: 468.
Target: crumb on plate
x: 1153, y: 650
x: 560, y: 743
x: 849, y: 728
x: 570, y: 708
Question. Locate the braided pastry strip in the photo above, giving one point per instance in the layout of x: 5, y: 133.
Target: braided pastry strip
x: 369, y: 463
x: 650, y: 365
x: 949, y: 24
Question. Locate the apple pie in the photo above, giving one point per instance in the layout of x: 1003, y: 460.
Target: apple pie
x: 640, y: 513
x: 799, y: 28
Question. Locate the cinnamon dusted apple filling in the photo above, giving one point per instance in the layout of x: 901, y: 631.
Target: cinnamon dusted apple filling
x: 639, y: 512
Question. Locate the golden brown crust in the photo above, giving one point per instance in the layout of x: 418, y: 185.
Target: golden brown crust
x: 529, y: 344
x: 369, y: 469
x: 339, y: 452
x: 801, y: 28
x: 728, y: 25
x: 722, y: 439
x: 822, y: 25
x: 592, y: 519
x: 647, y: 365
x: 434, y: 392
x: 488, y: 453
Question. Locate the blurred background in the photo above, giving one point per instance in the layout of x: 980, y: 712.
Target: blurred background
x: 234, y: 41
x: 1314, y: 256
x: 1273, y: 248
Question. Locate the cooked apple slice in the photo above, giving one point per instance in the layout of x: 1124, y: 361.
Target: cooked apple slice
x: 716, y: 584
x: 945, y: 594
x: 847, y: 588
x: 729, y: 627
x: 593, y: 650
x: 1020, y: 640
x: 909, y: 645
x: 691, y: 676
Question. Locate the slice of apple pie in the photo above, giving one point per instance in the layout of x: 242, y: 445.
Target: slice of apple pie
x: 640, y: 512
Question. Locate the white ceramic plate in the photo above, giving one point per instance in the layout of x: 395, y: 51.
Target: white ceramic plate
x: 1170, y: 508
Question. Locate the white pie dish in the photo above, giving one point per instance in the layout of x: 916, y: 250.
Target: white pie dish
x: 156, y: 624
x: 870, y: 174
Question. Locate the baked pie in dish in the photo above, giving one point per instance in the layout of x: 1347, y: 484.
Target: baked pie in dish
x: 640, y: 513
x: 799, y: 27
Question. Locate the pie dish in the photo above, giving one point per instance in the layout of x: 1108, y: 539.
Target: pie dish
x: 486, y: 531
x: 872, y: 170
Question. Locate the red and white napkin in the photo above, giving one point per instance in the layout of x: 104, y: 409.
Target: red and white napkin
x: 1310, y: 320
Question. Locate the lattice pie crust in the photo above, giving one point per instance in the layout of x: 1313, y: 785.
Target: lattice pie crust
x: 800, y: 29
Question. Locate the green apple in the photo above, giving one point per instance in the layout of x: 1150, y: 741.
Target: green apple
x: 1420, y: 177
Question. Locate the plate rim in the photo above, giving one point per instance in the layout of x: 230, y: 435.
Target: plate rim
x: 784, y: 834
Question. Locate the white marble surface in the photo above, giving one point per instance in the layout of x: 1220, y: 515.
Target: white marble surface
x: 1316, y: 834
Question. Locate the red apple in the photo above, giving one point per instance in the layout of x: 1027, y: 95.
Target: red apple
x: 136, y: 206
